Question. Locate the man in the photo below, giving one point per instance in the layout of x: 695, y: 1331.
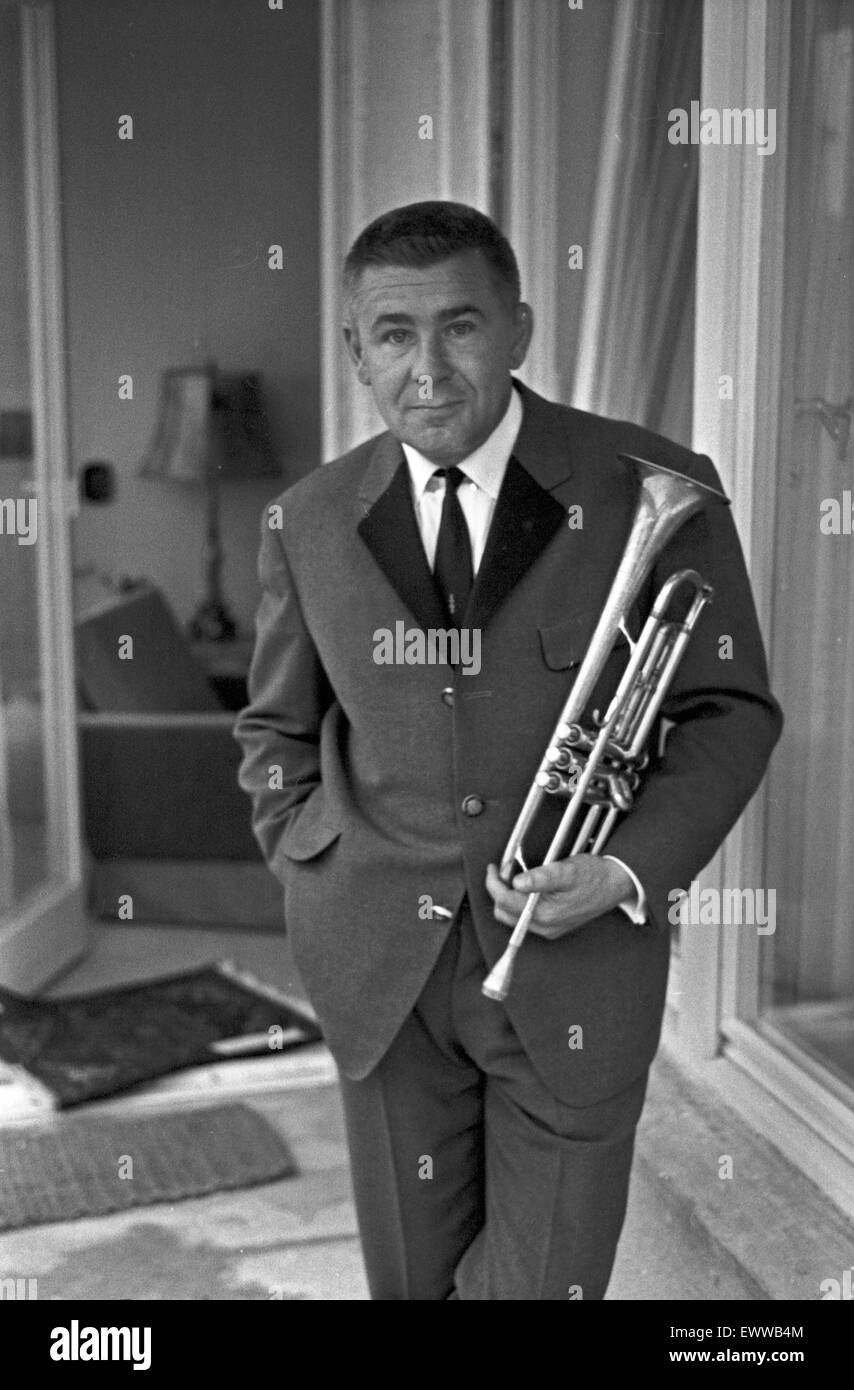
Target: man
x: 490, y: 1143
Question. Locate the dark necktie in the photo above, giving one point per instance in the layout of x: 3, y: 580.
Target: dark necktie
x: 453, y: 566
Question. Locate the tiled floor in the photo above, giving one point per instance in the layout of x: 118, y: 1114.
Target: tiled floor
x: 294, y: 1239
x: 297, y: 1239
x: 123, y: 954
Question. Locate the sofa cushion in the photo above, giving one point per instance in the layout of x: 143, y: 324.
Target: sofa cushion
x: 161, y: 676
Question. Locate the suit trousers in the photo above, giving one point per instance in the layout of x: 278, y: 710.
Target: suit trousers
x: 471, y: 1180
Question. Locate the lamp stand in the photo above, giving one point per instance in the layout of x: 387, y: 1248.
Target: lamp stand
x: 212, y: 621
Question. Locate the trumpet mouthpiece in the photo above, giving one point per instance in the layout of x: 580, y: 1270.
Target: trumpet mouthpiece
x: 497, y: 983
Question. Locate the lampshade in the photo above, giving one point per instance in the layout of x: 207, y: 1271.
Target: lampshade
x: 211, y: 425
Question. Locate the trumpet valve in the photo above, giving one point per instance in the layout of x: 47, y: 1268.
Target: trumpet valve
x: 550, y: 781
x: 573, y: 735
x: 558, y: 781
x: 560, y: 756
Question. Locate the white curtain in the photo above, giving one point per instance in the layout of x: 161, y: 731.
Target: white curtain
x: 636, y: 342
x: 384, y: 63
x: 810, y: 844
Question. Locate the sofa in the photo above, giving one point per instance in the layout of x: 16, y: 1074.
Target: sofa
x: 164, y: 819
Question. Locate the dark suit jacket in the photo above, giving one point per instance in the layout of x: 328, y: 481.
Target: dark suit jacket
x: 365, y: 820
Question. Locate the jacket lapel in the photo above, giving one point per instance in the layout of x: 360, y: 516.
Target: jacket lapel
x: 390, y: 531
x: 526, y: 517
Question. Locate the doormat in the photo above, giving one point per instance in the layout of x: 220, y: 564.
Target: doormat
x: 88, y: 1046
x: 90, y: 1167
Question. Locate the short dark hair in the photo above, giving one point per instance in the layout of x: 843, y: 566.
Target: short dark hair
x: 425, y: 233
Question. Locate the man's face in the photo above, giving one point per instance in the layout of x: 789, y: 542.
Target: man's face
x: 436, y: 344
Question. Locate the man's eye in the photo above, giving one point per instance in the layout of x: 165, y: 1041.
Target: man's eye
x: 461, y: 330
x: 395, y: 336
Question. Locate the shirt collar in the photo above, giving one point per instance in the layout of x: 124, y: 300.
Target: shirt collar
x: 486, y: 466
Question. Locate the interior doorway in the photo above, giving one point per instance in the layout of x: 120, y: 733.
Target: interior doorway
x: 42, y: 922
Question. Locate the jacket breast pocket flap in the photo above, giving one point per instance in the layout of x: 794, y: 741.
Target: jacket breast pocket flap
x: 564, y: 644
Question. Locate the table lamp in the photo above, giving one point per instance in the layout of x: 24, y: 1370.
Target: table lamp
x: 211, y: 429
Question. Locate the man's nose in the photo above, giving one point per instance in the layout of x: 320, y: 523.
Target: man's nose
x: 431, y: 360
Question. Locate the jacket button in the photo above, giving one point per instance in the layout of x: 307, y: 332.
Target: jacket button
x: 473, y: 806
x: 448, y: 696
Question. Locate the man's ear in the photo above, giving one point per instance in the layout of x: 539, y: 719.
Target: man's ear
x: 523, y: 328
x: 354, y: 349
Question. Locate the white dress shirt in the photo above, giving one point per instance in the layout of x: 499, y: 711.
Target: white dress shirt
x: 484, y: 473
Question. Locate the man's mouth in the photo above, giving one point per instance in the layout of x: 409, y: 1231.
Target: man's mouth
x: 437, y: 407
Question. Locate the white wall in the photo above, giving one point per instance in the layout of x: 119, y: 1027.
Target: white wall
x: 166, y: 262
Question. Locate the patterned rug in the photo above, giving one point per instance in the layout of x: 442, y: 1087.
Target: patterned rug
x: 85, y: 1046
x: 87, y: 1167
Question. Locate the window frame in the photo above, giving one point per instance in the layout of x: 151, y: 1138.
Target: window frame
x: 713, y: 1022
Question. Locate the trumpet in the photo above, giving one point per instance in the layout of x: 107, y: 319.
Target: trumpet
x: 598, y: 768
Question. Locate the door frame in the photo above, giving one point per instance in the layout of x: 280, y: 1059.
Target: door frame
x: 47, y: 931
